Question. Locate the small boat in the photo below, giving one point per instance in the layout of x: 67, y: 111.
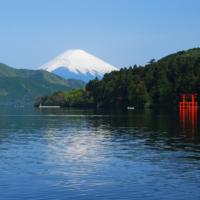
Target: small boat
x: 130, y: 108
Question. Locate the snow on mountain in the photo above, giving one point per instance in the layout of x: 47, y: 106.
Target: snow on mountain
x: 78, y: 64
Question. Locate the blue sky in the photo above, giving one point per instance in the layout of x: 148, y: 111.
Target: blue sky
x: 120, y: 32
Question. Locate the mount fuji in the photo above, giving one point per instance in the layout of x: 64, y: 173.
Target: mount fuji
x: 78, y: 64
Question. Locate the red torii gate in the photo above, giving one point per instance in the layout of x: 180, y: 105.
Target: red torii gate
x: 188, y: 114
x: 190, y: 104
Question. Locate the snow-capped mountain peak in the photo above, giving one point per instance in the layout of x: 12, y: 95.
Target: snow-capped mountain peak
x: 78, y: 61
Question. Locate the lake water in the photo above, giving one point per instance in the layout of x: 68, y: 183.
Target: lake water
x: 99, y: 154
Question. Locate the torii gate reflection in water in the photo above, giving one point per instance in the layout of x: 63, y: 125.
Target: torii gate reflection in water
x: 188, y: 114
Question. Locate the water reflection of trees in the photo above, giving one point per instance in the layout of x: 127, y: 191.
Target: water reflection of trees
x: 160, y: 128
x: 156, y: 126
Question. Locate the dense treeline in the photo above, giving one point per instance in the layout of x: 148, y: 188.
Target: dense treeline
x: 158, y: 83
x: 77, y: 97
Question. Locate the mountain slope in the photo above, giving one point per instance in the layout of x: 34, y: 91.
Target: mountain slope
x: 16, y: 91
x: 193, y: 53
x: 78, y: 63
x: 20, y: 86
x: 39, y: 75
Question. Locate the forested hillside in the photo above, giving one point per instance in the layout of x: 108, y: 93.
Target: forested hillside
x: 194, y: 53
x: 7, y: 71
x: 156, y: 84
x: 15, y: 91
x: 18, y: 87
x: 74, y: 98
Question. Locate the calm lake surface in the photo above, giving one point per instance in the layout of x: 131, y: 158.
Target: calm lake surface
x: 99, y: 154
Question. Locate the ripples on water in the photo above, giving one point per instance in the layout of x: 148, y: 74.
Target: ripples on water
x: 98, y: 154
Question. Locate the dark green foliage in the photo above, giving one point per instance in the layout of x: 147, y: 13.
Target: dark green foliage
x: 152, y: 61
x: 193, y: 53
x: 74, y: 98
x: 158, y: 83
x: 18, y: 87
x: 16, y: 91
x: 7, y: 71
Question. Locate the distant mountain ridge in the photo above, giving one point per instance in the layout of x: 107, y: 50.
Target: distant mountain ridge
x: 78, y: 64
x: 7, y: 71
x: 19, y: 91
x: 19, y: 86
